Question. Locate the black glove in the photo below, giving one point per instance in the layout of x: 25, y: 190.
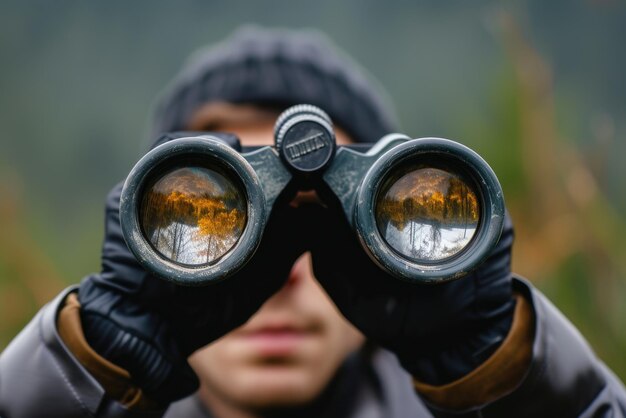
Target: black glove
x: 439, y: 332
x: 149, y: 326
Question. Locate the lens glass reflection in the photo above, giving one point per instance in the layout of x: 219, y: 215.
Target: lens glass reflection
x: 427, y: 214
x: 193, y: 215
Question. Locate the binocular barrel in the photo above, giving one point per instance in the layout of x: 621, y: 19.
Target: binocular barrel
x: 193, y: 210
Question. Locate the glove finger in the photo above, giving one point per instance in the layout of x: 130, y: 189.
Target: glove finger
x: 136, y: 339
x: 120, y: 270
x: 367, y: 296
x: 207, y: 313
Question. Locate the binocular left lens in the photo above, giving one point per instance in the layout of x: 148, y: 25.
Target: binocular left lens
x: 193, y: 215
x: 192, y: 210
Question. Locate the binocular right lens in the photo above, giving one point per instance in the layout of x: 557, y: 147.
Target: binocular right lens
x: 193, y: 215
x: 426, y: 210
x: 427, y: 214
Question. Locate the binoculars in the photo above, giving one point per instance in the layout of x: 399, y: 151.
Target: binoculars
x: 193, y: 209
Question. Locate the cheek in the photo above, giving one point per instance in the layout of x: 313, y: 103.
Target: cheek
x: 213, y: 359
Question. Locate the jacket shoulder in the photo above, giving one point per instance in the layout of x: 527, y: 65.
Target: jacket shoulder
x: 39, y: 376
x: 565, y: 377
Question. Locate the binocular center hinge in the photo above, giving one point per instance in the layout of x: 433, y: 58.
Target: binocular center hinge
x: 305, y: 139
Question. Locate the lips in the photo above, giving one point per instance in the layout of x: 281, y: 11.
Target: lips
x: 277, y: 340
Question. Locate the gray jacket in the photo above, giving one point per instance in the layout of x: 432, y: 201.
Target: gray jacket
x: 39, y: 377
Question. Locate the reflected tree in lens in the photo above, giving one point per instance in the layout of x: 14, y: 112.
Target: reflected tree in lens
x: 428, y: 214
x: 193, y: 215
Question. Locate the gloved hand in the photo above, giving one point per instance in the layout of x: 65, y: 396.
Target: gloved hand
x: 149, y: 326
x: 439, y: 332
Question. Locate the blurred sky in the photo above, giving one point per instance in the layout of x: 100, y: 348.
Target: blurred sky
x: 77, y: 81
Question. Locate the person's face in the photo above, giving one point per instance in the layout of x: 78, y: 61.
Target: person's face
x: 290, y: 349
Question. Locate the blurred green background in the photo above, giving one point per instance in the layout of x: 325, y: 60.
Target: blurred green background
x: 537, y: 87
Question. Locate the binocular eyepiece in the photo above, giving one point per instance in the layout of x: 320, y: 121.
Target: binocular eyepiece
x: 193, y: 209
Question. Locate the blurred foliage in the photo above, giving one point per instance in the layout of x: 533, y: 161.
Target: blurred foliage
x: 536, y: 87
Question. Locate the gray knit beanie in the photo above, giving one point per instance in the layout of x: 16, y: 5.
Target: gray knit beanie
x: 278, y: 68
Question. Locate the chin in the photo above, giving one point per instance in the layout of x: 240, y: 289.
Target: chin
x: 278, y: 386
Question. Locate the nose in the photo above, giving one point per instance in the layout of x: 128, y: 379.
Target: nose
x: 299, y: 270
x: 304, y: 196
x: 298, y: 276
